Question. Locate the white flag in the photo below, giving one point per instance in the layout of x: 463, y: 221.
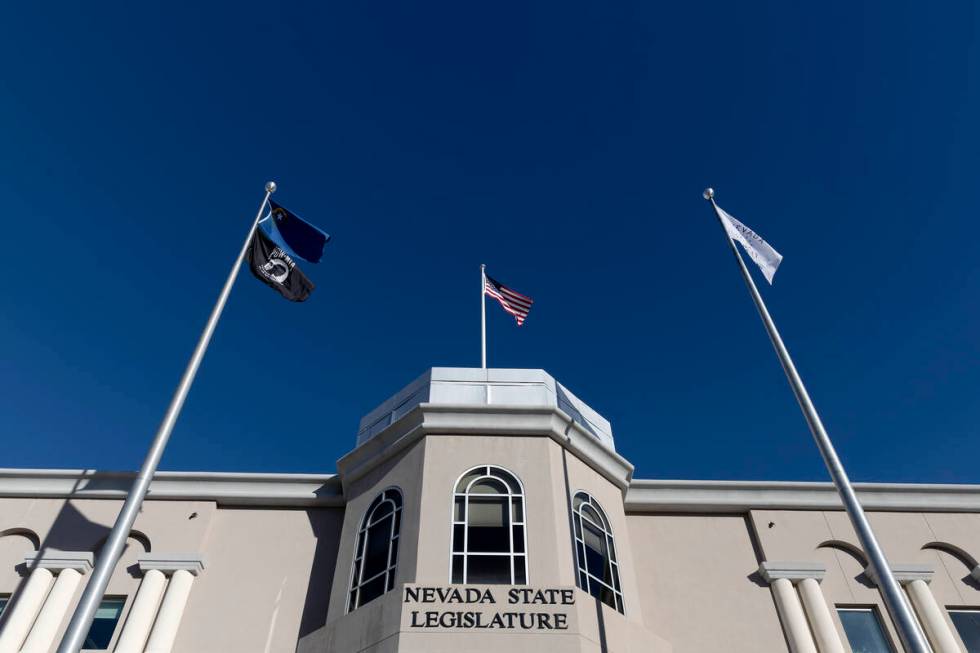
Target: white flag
x: 758, y: 250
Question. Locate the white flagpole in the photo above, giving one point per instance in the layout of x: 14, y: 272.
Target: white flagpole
x: 906, y: 624
x: 483, y: 316
x: 81, y: 621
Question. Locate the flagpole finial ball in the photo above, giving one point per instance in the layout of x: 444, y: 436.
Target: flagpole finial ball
x: 270, y: 186
x: 709, y: 193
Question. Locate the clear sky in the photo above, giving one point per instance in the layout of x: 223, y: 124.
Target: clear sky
x: 565, y: 145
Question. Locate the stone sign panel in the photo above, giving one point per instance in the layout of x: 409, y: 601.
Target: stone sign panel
x: 508, y: 608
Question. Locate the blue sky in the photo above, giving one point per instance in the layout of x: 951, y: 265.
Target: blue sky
x: 565, y: 145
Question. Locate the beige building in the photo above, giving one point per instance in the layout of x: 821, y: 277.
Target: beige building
x: 483, y: 510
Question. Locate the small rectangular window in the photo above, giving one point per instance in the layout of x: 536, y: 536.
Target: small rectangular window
x: 104, y: 625
x: 863, y: 629
x: 967, y: 624
x: 4, y: 600
x: 459, y: 509
x: 488, y: 570
x: 520, y: 570
x: 457, y: 569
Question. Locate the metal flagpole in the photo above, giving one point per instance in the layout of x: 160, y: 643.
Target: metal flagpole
x: 483, y: 316
x: 81, y: 621
x: 906, y: 624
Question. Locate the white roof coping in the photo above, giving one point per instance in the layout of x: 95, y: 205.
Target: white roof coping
x: 469, y: 386
x: 226, y: 489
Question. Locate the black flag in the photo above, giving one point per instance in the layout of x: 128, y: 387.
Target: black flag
x: 276, y: 269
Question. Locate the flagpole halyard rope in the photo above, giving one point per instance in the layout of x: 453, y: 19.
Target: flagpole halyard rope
x: 81, y: 620
x: 908, y: 627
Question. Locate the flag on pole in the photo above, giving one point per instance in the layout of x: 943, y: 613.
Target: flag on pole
x: 281, y: 238
x: 511, y: 301
x: 294, y: 235
x: 758, y: 250
x: 275, y: 268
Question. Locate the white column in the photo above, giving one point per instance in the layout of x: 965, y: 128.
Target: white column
x: 822, y: 624
x: 141, y: 615
x: 27, y: 602
x: 171, y: 610
x: 793, y: 618
x: 931, y: 615
x: 53, y: 613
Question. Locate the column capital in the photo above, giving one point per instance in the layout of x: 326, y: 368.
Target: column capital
x: 792, y: 571
x: 168, y: 563
x: 904, y: 573
x: 55, y: 561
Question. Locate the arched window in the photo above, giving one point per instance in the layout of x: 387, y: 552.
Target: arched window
x: 489, y: 542
x: 376, y: 554
x: 598, y: 571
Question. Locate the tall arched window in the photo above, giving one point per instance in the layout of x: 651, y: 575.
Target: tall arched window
x: 598, y: 571
x: 489, y: 540
x: 376, y: 553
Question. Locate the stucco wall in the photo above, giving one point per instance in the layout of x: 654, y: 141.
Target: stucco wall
x: 279, y: 562
x: 698, y: 584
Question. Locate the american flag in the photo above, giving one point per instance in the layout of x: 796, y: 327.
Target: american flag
x: 513, y: 302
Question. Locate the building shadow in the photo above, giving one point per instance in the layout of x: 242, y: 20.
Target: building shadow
x: 326, y: 524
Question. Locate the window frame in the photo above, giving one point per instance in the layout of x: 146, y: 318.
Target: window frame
x: 875, y: 612
x: 611, y: 560
x: 360, y: 546
x: 124, y: 600
x: 509, y: 497
x: 950, y: 609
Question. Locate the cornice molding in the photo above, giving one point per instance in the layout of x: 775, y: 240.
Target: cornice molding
x: 739, y: 497
x: 793, y: 571
x: 169, y: 563
x: 485, y: 420
x: 57, y: 561
x: 903, y: 573
x: 225, y: 489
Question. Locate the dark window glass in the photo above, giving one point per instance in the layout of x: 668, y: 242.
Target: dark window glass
x: 469, y: 477
x: 595, y: 552
x: 519, y: 539
x: 4, y: 600
x: 488, y: 516
x: 967, y: 624
x: 598, y: 573
x: 382, y: 511
x: 487, y: 570
x: 376, y: 556
x: 372, y: 589
x: 488, y: 486
x: 594, y: 589
x: 104, y: 624
x: 863, y: 630
x: 376, y: 549
x: 520, y: 570
x: 508, y: 478
x: 489, y: 526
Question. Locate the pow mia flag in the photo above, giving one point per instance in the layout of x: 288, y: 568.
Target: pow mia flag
x: 273, y: 267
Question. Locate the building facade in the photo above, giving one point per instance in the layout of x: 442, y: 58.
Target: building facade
x: 483, y: 510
